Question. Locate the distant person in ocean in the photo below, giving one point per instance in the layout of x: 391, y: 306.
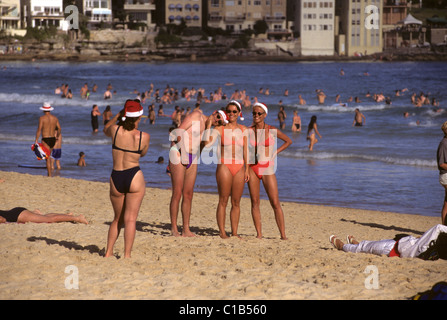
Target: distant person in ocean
x: 320, y: 96
x: 23, y: 215
x: 107, y: 95
x: 94, y: 114
x: 84, y: 90
x: 442, y: 167
x: 127, y: 186
x: 81, y: 160
x: 296, y: 122
x: 50, y: 129
x: 359, y: 118
x: 282, y: 118
x: 312, y: 130
x: 106, y: 115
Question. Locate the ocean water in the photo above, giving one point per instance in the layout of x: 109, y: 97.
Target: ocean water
x: 389, y: 164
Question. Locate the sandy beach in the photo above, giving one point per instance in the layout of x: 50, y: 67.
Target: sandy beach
x: 39, y: 261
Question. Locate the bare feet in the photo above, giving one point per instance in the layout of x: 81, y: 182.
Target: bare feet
x: 80, y: 218
x: 175, y: 233
x: 188, y: 234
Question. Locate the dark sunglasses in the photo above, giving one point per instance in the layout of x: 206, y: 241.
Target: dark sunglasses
x: 234, y: 111
x: 257, y: 113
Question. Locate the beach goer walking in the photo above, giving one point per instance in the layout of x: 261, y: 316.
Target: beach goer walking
x: 231, y: 173
x: 262, y: 138
x: 430, y: 246
x: 94, y: 114
x: 359, y: 118
x: 442, y: 167
x: 127, y: 186
x: 50, y: 129
x: 185, y: 149
x: 312, y: 129
x: 296, y: 122
x: 23, y: 215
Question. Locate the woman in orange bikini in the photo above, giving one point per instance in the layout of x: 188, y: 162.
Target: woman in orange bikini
x: 262, y: 140
x: 231, y: 174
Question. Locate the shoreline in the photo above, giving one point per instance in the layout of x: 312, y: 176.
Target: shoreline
x: 35, y: 256
x: 380, y: 57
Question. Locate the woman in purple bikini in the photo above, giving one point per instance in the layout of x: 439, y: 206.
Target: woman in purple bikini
x: 127, y: 186
x: 186, y: 146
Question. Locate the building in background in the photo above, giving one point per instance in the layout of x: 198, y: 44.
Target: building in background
x: 140, y: 11
x: 359, y: 30
x: 239, y: 15
x: 176, y: 11
x: 43, y: 13
x: 10, y: 16
x: 315, y: 24
x: 98, y: 11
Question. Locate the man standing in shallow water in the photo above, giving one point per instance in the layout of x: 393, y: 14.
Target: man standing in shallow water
x: 50, y: 129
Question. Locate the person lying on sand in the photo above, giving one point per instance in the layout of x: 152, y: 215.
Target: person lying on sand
x: 432, y: 245
x: 23, y: 215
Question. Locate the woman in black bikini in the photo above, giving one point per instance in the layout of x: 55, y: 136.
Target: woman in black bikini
x: 127, y: 186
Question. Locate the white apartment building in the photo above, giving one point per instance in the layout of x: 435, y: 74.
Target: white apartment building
x: 98, y: 10
x: 9, y: 15
x: 316, y: 26
x: 43, y: 13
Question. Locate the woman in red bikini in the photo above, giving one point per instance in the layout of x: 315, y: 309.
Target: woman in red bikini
x: 127, y: 186
x: 262, y: 140
x: 231, y: 174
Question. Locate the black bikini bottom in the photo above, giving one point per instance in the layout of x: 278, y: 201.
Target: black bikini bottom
x: 123, y: 179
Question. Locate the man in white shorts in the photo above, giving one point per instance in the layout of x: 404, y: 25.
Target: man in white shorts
x: 442, y: 167
x: 430, y: 246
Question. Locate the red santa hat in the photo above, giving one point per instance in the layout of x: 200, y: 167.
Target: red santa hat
x: 238, y: 105
x: 224, y: 116
x: 133, y: 109
x: 262, y: 105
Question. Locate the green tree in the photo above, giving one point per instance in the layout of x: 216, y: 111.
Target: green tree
x: 260, y: 27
